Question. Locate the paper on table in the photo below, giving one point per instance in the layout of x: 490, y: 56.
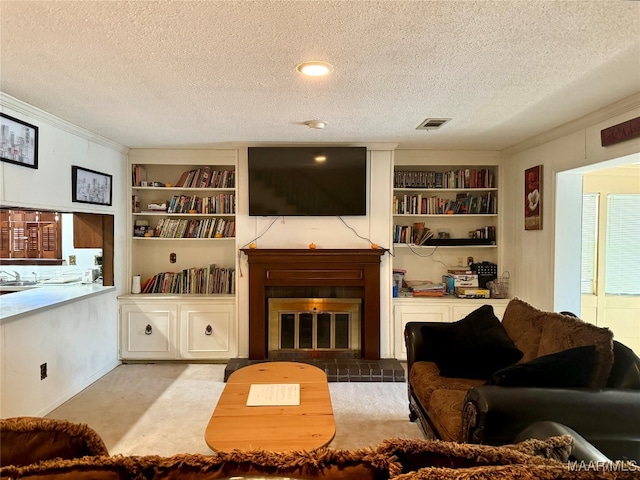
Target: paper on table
x: 269, y: 394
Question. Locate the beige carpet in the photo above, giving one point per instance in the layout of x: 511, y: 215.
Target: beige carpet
x: 163, y: 409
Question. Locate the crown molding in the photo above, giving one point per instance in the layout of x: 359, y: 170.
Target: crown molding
x: 7, y: 101
x: 611, y: 111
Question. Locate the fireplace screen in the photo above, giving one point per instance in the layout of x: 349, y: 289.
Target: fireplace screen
x: 314, y: 327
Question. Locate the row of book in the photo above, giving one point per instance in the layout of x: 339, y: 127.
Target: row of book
x: 464, y: 203
x: 205, y: 280
x: 416, y: 234
x: 203, y: 177
x: 461, y: 178
x: 205, y: 228
x: 222, y: 203
x: 488, y: 233
x: 207, y: 177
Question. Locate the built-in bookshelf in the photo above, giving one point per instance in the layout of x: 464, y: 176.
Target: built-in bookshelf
x: 182, y: 244
x: 183, y: 215
x: 445, y: 211
x: 428, y: 206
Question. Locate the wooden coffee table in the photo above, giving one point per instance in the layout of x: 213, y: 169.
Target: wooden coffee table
x: 309, y: 425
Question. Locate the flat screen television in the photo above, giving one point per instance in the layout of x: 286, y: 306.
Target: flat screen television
x: 304, y: 181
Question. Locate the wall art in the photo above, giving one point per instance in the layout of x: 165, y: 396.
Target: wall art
x: 90, y: 186
x: 533, y: 198
x: 18, y: 142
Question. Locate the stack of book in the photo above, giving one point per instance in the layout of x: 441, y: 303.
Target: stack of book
x: 428, y: 289
x: 463, y: 283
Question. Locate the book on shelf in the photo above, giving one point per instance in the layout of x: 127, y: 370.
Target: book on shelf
x: 139, y: 175
x: 470, y: 292
x: 182, y: 179
x: 214, y: 227
x: 194, y: 280
x: 206, y: 177
x: 451, y: 179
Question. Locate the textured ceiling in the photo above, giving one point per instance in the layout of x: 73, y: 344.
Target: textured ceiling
x: 197, y: 74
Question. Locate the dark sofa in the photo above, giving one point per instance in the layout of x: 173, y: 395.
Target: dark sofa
x: 601, y: 400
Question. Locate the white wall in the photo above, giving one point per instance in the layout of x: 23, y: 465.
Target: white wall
x: 531, y: 256
x: 79, y: 340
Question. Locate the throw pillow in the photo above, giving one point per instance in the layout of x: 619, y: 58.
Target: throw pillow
x: 571, y: 368
x: 473, y: 347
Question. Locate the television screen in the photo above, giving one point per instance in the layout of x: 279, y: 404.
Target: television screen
x: 307, y: 181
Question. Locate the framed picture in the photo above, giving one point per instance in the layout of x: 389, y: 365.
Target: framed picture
x: 90, y: 186
x: 533, y: 198
x: 18, y: 142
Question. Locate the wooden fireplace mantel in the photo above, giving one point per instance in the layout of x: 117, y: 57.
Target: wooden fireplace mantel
x: 314, y: 267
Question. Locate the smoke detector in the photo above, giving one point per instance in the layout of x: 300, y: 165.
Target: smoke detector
x: 317, y: 124
x: 432, y: 123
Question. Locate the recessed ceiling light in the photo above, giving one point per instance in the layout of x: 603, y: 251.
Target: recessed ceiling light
x: 320, y: 158
x: 317, y: 124
x: 315, y: 69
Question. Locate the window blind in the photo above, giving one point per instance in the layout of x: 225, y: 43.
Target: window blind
x: 590, y: 202
x: 623, y: 241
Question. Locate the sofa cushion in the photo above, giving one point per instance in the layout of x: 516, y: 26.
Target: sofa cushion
x: 324, y: 463
x: 26, y: 440
x: 425, y: 380
x: 571, y: 368
x: 415, y: 454
x: 473, y: 347
x: 445, y: 411
x: 524, y: 472
x: 625, y: 372
x: 524, y: 327
x: 559, y: 332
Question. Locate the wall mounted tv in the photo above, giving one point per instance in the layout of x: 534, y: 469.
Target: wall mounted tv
x: 303, y: 181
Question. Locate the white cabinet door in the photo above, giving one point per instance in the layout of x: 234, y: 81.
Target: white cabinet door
x: 415, y: 313
x: 148, y: 331
x: 207, y: 330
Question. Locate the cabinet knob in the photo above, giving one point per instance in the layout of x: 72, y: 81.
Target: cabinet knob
x: 208, y: 330
x: 148, y: 330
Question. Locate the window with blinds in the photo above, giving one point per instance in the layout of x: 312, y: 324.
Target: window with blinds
x: 590, y: 204
x: 623, y: 239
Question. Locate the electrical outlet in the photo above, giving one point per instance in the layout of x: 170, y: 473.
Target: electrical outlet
x: 97, y: 259
x: 43, y: 371
x: 72, y: 259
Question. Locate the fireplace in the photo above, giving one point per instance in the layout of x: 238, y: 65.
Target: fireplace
x: 315, y: 327
x: 332, y: 277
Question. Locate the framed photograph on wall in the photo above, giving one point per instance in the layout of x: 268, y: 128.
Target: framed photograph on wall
x: 533, y: 198
x: 90, y: 186
x: 18, y: 142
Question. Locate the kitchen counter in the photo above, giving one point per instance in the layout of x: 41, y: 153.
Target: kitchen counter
x: 36, y: 298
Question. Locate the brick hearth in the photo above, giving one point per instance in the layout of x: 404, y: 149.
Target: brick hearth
x: 340, y: 369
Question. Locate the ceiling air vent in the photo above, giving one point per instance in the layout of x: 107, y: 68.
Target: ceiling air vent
x: 432, y: 123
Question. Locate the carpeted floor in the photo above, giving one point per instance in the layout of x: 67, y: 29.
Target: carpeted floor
x: 163, y: 409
